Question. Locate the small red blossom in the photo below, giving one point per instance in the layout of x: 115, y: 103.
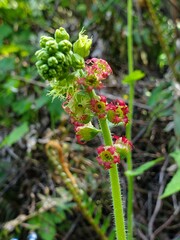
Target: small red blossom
x: 123, y: 140
x: 98, y: 106
x: 98, y: 67
x: 117, y: 112
x: 75, y: 123
x: 107, y: 156
x: 96, y: 71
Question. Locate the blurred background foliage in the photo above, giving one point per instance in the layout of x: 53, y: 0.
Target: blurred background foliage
x: 29, y: 118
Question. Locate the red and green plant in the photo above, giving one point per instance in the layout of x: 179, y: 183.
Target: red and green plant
x: 77, y: 81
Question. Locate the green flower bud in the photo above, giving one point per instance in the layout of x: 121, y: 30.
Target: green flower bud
x: 64, y: 46
x: 83, y: 45
x: 44, y: 40
x: 42, y: 54
x: 61, y: 34
x: 68, y: 60
x: 44, y: 68
x: 59, y: 69
x: 78, y: 61
x: 60, y: 57
x: 52, y: 61
x: 51, y: 46
x: 39, y: 63
x: 52, y: 73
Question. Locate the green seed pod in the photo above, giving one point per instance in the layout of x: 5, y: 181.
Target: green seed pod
x: 39, y: 63
x: 60, y: 57
x: 42, y: 54
x: 52, y: 73
x: 78, y: 61
x: 43, y: 40
x: 52, y: 61
x: 65, y: 46
x: 51, y: 46
x: 59, y: 69
x: 83, y: 45
x: 61, y: 34
x: 45, y: 76
x: 44, y: 68
x: 68, y: 60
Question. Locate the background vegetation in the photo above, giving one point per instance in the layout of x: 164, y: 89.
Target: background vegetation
x: 31, y: 192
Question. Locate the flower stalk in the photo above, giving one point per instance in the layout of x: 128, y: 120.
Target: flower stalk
x: 115, y: 186
x: 130, y: 179
x: 75, y: 80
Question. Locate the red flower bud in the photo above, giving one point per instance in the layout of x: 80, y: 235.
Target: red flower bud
x: 122, y: 145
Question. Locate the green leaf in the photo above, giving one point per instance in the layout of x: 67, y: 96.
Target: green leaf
x: 173, y: 186
x: 22, y: 106
x: 177, y: 119
x: 40, y: 102
x: 98, y: 216
x: 7, y: 64
x: 5, y: 31
x: 133, y: 77
x: 106, y: 224
x: 176, y: 156
x: 161, y: 94
x: 140, y: 170
x: 34, y: 223
x: 112, y: 235
x: 47, y: 231
x: 15, y: 135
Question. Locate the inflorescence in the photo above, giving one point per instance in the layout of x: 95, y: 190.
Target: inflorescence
x: 75, y: 80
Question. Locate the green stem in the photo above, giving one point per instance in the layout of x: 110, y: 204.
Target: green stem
x: 129, y: 125
x: 130, y: 39
x: 115, y: 186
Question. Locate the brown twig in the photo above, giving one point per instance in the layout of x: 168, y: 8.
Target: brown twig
x: 69, y: 181
x: 54, y: 144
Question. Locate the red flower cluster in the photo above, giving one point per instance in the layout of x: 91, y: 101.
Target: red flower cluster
x: 98, y: 67
x: 98, y: 106
x: 122, y: 145
x: 96, y: 71
x: 107, y: 156
x: 117, y: 112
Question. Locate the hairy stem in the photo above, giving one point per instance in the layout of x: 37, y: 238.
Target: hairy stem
x: 115, y: 186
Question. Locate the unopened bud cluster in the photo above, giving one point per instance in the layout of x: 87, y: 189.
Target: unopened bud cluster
x: 76, y: 79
